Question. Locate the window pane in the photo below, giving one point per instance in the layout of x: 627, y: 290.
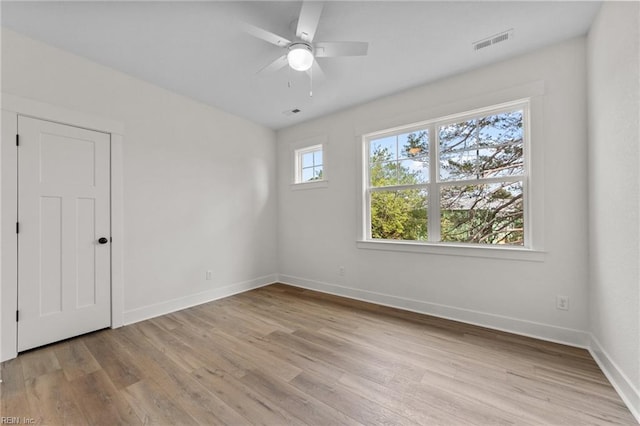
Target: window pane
x: 492, y: 130
x: 458, y: 136
x: 307, y: 174
x: 502, y: 128
x: 504, y: 160
x: 413, y: 171
x: 399, y: 215
x: 307, y: 159
x: 486, y: 214
x: 486, y: 147
x: 458, y: 165
x: 317, y: 173
x: 317, y: 158
x: 383, y: 174
x: 405, y: 172
x: 384, y: 149
x: 414, y: 144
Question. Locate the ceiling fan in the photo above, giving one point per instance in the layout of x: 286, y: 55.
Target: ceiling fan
x: 301, y: 52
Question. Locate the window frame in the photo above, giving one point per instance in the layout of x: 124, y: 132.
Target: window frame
x: 306, y: 146
x: 434, y: 185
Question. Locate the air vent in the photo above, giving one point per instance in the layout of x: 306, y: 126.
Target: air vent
x: 291, y: 112
x: 494, y: 39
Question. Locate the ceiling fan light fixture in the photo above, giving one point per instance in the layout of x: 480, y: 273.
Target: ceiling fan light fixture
x: 300, y: 56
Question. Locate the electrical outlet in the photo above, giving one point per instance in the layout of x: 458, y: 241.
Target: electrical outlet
x: 209, y: 275
x: 562, y: 303
x: 341, y: 271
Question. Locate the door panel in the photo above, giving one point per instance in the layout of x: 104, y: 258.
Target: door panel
x: 86, y: 252
x: 64, y: 284
x: 50, y: 297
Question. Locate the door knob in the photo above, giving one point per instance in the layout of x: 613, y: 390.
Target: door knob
x: 103, y: 240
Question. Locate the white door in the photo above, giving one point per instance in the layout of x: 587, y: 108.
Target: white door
x: 64, y: 256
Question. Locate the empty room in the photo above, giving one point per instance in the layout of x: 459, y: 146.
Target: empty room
x: 320, y: 213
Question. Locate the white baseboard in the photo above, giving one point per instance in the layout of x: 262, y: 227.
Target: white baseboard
x: 537, y: 330
x: 629, y: 393
x: 151, y: 311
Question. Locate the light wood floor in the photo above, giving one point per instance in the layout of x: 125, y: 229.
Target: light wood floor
x: 280, y: 355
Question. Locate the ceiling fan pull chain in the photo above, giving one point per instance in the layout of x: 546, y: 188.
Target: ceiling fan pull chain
x: 311, y: 82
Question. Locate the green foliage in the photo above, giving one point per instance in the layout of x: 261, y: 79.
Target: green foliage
x: 397, y: 214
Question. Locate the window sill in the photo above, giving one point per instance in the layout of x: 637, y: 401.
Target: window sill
x: 310, y: 185
x: 488, y: 252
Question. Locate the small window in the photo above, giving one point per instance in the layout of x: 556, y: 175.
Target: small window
x: 309, y: 164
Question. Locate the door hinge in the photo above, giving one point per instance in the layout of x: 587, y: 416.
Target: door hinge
x: 17, y: 140
x: 17, y: 316
x: 17, y: 227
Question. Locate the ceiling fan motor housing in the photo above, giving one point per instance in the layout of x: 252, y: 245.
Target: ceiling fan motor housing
x: 300, y: 56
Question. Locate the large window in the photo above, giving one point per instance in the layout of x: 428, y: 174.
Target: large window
x: 458, y: 179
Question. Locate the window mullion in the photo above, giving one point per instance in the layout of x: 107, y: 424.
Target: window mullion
x: 433, y: 204
x: 483, y: 181
x: 399, y: 187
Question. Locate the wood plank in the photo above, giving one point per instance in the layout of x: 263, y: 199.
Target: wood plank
x: 13, y: 396
x: 244, y: 400
x: 38, y: 362
x: 375, y: 372
x: 303, y: 406
x: 353, y: 404
x: 153, y: 406
x: 432, y: 411
x: 75, y: 359
x: 303, y: 360
x: 170, y: 345
x: 52, y: 401
x: 101, y: 402
x: 180, y: 386
x: 116, y: 361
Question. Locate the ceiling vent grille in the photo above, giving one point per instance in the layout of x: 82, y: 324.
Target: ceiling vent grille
x: 291, y: 112
x: 494, y: 39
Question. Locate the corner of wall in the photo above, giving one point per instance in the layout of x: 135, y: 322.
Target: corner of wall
x: 629, y: 392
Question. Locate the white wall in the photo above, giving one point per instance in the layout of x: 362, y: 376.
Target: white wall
x: 199, y: 184
x: 318, y: 228
x: 614, y: 190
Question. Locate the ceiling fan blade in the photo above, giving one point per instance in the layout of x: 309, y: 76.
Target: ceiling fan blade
x: 265, y: 35
x: 275, y: 65
x: 308, y: 21
x: 326, y: 49
x: 316, y: 73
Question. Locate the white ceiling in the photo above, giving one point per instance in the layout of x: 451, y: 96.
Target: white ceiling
x: 198, y: 49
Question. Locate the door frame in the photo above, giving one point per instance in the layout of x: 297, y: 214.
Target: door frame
x: 12, y: 106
